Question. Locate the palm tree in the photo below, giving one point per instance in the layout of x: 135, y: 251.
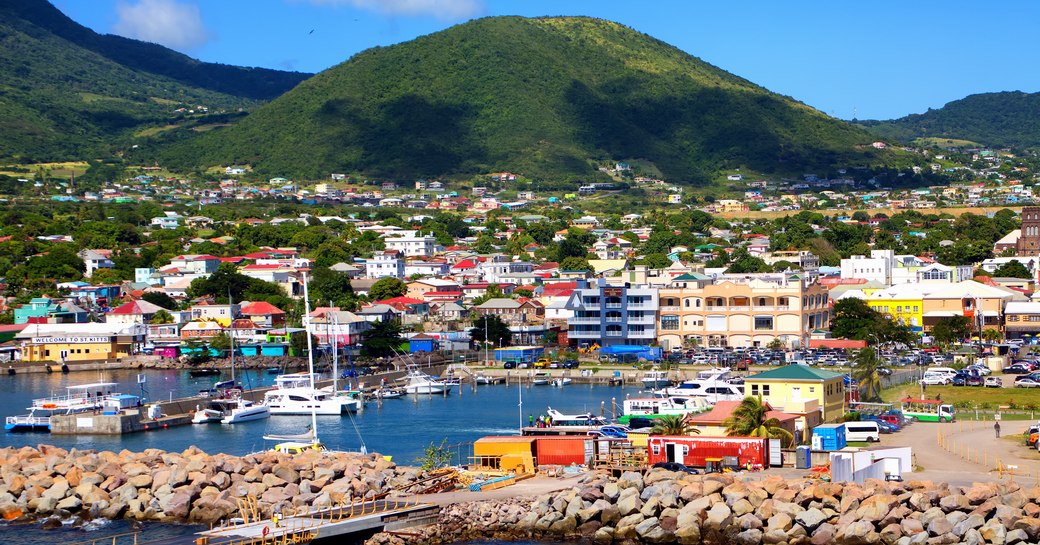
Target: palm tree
x: 749, y: 420
x: 865, y: 373
x: 991, y: 335
x: 673, y: 424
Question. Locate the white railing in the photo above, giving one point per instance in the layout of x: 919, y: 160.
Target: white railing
x: 670, y: 309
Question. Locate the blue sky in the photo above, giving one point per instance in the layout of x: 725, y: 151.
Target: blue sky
x: 880, y: 59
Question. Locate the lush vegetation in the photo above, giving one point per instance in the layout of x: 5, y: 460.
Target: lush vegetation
x: 750, y: 419
x: 854, y: 319
x: 68, y: 92
x: 1008, y: 119
x: 551, y: 98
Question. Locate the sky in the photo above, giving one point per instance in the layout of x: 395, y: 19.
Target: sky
x: 870, y: 60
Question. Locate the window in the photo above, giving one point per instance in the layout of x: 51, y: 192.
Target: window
x: 763, y: 323
x: 765, y: 389
x: 670, y: 322
x: 754, y: 389
x: 656, y: 448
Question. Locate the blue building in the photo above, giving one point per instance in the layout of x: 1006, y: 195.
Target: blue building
x: 519, y: 354
x: 608, y: 315
x: 422, y: 343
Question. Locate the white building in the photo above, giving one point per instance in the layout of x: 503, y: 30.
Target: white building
x: 412, y: 244
x: 384, y: 264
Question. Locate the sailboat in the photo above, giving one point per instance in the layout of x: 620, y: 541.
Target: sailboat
x: 295, y: 444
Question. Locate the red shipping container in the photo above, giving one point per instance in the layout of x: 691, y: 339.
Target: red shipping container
x: 692, y: 451
x: 562, y: 450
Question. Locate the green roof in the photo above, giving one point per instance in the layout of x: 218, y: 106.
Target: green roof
x: 795, y: 372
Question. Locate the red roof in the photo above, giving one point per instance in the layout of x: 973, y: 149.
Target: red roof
x: 400, y: 301
x: 837, y: 343
x: 197, y: 258
x: 724, y: 409
x: 136, y: 307
x: 260, y: 308
x: 258, y: 267
x: 464, y: 264
x: 236, y: 259
x: 442, y: 294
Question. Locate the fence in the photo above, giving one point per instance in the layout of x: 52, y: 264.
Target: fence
x: 990, y: 461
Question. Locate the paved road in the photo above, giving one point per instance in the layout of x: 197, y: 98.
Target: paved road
x: 976, y: 437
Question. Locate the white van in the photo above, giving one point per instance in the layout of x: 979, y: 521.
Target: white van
x: 863, y: 431
x: 941, y: 371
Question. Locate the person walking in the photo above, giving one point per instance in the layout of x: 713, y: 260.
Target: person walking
x: 996, y: 428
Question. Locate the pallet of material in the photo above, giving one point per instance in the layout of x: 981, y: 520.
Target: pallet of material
x: 492, y: 484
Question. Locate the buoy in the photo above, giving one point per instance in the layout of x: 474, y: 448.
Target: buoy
x: 10, y: 370
x: 266, y: 531
x: 164, y: 426
x: 64, y: 368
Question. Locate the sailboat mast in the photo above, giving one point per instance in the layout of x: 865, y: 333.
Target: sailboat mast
x: 231, y: 334
x: 310, y: 352
x: 335, y: 350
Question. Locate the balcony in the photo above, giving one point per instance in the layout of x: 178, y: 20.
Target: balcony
x: 669, y: 309
x: 614, y: 305
x: 585, y: 320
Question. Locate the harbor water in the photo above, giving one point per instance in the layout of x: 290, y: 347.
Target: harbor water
x: 400, y: 428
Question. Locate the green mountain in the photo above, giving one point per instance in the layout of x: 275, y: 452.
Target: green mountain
x: 546, y: 97
x: 67, y: 92
x: 1008, y: 119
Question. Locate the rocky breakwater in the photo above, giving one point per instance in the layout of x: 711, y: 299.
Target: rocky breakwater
x: 189, y: 486
x: 666, y: 507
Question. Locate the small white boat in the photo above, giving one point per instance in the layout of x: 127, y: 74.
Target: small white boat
x: 213, y: 412
x: 417, y: 382
x: 484, y: 379
x: 561, y: 382
x: 244, y: 411
x: 656, y: 379
x: 541, y: 379
x: 586, y: 419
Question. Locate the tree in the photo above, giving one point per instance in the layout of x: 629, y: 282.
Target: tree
x: 749, y: 420
x: 162, y: 317
x: 854, y: 319
x: 865, y: 373
x: 656, y: 261
x: 952, y: 329
x: 744, y: 263
x: 497, y: 331
x: 383, y: 339
x: 387, y: 287
x: 575, y: 264
x: 160, y: 299
x: 61, y: 263
x: 328, y: 285
x: 775, y: 344
x: 434, y: 456
x: 992, y: 335
x: 221, y: 341
x: 227, y: 280
x: 492, y: 292
x: 1012, y: 269
x: 673, y: 424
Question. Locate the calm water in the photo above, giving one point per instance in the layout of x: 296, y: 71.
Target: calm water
x: 397, y: 427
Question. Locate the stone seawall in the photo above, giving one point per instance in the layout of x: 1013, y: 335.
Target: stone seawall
x: 666, y: 507
x: 189, y: 486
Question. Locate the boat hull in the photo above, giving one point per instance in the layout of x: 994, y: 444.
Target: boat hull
x: 246, y: 415
x: 654, y: 384
x: 319, y: 408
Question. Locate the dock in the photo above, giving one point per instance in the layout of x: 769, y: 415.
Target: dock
x: 347, y: 524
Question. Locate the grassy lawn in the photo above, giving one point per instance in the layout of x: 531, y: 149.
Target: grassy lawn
x: 969, y: 396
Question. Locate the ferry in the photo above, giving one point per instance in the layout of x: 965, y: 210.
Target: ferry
x: 78, y: 399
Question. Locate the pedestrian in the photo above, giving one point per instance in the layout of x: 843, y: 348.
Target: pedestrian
x: 996, y: 428
x: 530, y: 420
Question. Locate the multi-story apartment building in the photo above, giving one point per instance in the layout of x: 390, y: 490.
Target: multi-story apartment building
x: 741, y: 310
x: 387, y: 263
x: 612, y: 315
x: 412, y: 244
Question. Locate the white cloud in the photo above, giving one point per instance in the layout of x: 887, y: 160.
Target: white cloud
x: 441, y: 9
x: 167, y: 22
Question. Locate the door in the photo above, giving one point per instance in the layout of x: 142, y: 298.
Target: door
x: 776, y: 458
x: 669, y: 452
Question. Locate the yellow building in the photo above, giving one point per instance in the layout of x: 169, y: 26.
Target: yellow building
x: 61, y: 343
x: 903, y: 303
x: 978, y: 302
x: 792, y: 388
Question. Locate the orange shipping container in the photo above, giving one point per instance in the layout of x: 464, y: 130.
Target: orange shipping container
x: 563, y: 450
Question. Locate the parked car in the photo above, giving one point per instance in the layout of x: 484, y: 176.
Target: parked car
x: 1027, y: 382
x: 509, y: 365
x: 676, y: 466
x: 993, y: 382
x: 1018, y: 369
x: 570, y: 364
x: 884, y: 371
x: 936, y: 380
x: 980, y: 369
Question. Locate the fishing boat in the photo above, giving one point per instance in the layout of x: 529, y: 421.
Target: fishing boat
x: 389, y: 393
x: 712, y: 385
x: 213, y: 412
x: 204, y: 372
x: 274, y: 370
x: 655, y: 379
x: 584, y: 419
x: 541, y: 379
x: 78, y: 399
x: 656, y: 407
x: 561, y: 382
x: 417, y: 382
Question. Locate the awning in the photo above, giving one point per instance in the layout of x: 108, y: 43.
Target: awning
x: 989, y: 313
x: 939, y: 314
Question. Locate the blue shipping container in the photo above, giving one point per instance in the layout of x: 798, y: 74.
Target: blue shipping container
x: 829, y: 437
